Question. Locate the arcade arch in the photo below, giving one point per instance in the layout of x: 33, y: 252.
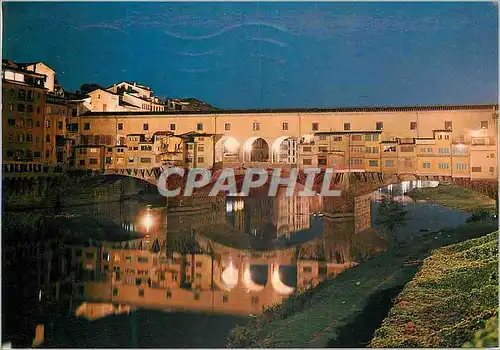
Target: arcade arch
x: 284, y: 150
x: 255, y: 149
x: 227, y: 150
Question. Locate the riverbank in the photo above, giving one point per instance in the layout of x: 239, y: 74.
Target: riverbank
x: 344, y: 311
x: 450, y: 299
x: 453, y: 196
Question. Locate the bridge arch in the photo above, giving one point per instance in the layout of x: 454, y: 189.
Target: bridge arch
x: 284, y: 150
x: 256, y: 149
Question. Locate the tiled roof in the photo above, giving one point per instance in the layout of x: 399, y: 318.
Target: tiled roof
x: 316, y: 110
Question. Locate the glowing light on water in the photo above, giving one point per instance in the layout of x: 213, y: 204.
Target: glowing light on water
x: 230, y: 276
x: 279, y: 286
x: 250, y: 285
x: 234, y: 205
x: 229, y: 207
x: 148, y: 222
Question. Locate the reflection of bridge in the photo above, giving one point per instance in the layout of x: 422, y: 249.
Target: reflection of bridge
x: 211, y: 277
x: 222, y: 285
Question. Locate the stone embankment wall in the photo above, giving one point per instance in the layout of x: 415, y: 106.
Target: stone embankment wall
x: 60, y: 191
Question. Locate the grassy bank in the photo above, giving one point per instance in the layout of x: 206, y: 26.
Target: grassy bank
x: 448, y: 301
x: 454, y: 197
x: 345, y: 311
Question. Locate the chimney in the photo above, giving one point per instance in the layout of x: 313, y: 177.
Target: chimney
x: 135, y: 84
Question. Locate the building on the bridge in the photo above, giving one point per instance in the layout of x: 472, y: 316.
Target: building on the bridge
x: 199, y: 151
x: 450, y: 141
x: 89, y: 157
x: 169, y: 149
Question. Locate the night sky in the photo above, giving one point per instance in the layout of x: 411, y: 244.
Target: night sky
x: 263, y: 55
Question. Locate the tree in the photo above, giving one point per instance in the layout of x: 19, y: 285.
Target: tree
x: 391, y: 215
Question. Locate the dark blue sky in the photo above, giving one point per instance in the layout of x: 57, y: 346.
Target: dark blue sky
x: 258, y: 55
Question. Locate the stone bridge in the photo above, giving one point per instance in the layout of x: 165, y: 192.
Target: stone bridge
x: 357, y: 182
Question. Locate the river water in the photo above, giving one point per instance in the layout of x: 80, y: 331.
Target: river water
x: 186, y: 276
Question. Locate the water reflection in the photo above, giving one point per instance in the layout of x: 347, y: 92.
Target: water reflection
x: 221, y: 255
